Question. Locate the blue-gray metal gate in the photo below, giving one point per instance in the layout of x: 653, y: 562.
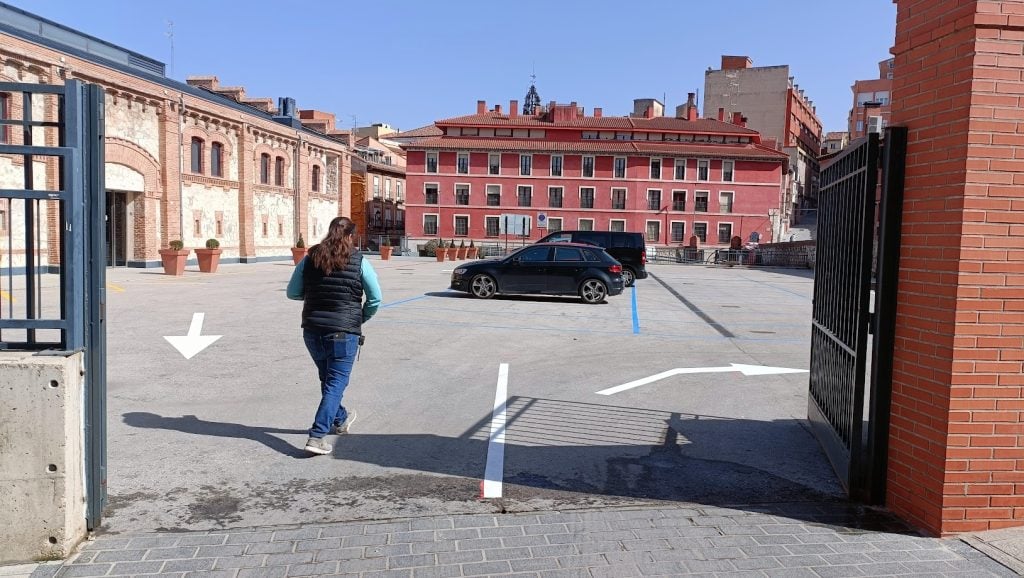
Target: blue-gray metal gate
x: 857, y: 251
x: 71, y: 315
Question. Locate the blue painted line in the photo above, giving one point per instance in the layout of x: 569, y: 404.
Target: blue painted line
x: 399, y: 302
x: 636, y: 318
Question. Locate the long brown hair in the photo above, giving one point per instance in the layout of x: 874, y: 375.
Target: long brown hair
x: 333, y: 253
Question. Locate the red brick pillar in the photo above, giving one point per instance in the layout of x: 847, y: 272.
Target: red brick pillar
x: 170, y: 171
x: 246, y: 159
x: 345, y: 186
x: 956, y: 460
x: 302, y: 194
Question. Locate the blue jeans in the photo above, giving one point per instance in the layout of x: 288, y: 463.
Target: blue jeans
x: 333, y: 355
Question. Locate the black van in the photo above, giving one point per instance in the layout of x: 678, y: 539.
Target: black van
x: 627, y: 248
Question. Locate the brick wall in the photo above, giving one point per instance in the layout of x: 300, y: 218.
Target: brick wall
x: 956, y: 456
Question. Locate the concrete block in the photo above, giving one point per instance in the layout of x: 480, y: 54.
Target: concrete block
x: 42, y: 490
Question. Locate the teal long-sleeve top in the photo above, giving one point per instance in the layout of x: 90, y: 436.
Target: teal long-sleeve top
x: 371, y: 287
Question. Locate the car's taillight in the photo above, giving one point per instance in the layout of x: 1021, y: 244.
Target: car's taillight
x: 615, y: 269
x: 643, y: 257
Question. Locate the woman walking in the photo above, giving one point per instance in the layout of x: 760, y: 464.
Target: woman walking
x: 331, y: 281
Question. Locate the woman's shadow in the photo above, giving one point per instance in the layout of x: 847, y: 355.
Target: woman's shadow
x: 193, y: 425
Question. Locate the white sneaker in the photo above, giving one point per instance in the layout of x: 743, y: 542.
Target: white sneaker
x: 343, y: 428
x: 318, y: 446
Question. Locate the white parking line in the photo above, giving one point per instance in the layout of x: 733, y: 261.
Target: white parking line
x: 494, y: 473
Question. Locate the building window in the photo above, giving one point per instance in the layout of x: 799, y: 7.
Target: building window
x: 680, y: 169
x: 727, y: 170
x: 461, y: 194
x: 678, y: 231
x: 554, y: 224
x: 653, y: 231
x: 431, y: 162
x: 217, y: 159
x: 387, y: 188
x: 493, y: 195
x: 653, y: 200
x: 265, y: 230
x: 461, y: 225
x: 586, y: 197
x: 316, y: 178
x: 279, y: 171
x: 5, y: 113
x: 700, y: 202
x: 197, y: 155
x: 494, y: 164
x: 700, y: 230
x: 702, y: 170
x: 556, y: 165
x: 620, y: 167
x: 617, y: 225
x: 588, y: 167
x: 398, y: 190
x: 656, y: 169
x: 618, y: 198
x: 219, y: 227
x: 525, y: 165
x: 430, y: 194
x: 376, y: 186
x: 462, y: 164
x: 678, y: 200
x: 429, y: 224
x: 493, y: 226
x: 4, y: 207
x: 525, y: 194
x: 265, y: 169
x: 724, y: 233
x: 555, y: 197
x: 725, y: 202
x: 280, y: 229
x: 197, y: 228
x: 586, y: 224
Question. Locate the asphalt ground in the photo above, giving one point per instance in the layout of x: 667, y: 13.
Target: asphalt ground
x: 216, y: 441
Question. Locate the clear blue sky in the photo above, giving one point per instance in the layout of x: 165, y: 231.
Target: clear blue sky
x: 409, y: 62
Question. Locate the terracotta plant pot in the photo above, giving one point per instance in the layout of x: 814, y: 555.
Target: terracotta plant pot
x: 208, y: 259
x: 385, y: 253
x: 174, y: 261
x: 297, y: 254
x: 472, y: 252
x: 440, y: 254
x: 462, y: 253
x: 453, y: 253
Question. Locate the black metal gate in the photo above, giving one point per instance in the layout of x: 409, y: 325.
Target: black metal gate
x: 68, y: 316
x: 857, y: 249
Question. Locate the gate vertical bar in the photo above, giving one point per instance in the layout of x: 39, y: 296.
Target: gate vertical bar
x: 74, y: 216
x: 96, y: 306
x: 30, y: 226
x: 894, y: 152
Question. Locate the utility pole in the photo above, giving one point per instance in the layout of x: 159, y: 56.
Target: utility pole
x: 170, y: 35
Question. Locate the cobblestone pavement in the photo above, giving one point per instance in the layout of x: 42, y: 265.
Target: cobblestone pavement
x: 792, y: 540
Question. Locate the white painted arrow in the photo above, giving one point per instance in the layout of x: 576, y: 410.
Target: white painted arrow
x: 744, y: 369
x: 191, y: 344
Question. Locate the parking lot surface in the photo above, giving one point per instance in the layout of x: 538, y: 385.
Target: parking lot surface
x: 216, y: 441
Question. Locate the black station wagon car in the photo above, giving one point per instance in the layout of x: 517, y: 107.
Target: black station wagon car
x: 626, y: 248
x: 544, y: 269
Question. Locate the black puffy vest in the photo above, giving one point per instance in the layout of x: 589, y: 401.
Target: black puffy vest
x: 333, y: 303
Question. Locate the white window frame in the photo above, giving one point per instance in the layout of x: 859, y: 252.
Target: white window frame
x: 707, y: 169
x: 694, y: 233
x: 398, y: 190
x: 459, y: 157
x: 732, y: 202
x: 676, y: 164
x: 625, y: 198
x: 387, y: 188
x: 561, y: 165
x: 376, y: 186
x: 673, y: 199
x: 583, y: 165
x: 437, y: 223
x: 661, y: 198
x: 529, y: 173
x: 496, y: 235
x: 707, y: 205
x: 469, y: 193
x: 625, y: 167
x: 593, y: 197
x: 732, y: 176
x: 562, y: 205
x: 661, y: 168
x: 579, y: 224
x: 437, y: 186
x: 718, y: 237
x: 646, y: 229
x: 610, y: 221
x: 670, y: 239
x: 487, y: 193
x: 455, y: 219
x: 437, y: 163
x: 560, y: 223
x: 519, y: 186
x: 489, y: 165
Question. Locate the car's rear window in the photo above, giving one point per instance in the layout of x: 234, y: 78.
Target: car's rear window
x: 568, y: 254
x: 594, y: 255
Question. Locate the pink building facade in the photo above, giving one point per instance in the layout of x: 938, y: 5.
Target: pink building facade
x: 669, y: 178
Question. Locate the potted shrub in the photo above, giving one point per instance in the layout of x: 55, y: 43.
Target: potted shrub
x: 471, y: 252
x: 452, y: 250
x: 173, y: 258
x: 209, y: 257
x: 385, y: 249
x: 462, y: 250
x: 440, y: 251
x: 299, y: 250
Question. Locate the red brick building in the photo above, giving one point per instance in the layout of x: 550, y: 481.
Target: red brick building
x: 871, y: 102
x: 670, y: 178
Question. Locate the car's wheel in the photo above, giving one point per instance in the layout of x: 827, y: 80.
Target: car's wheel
x: 628, y: 277
x: 483, y: 287
x: 593, y: 291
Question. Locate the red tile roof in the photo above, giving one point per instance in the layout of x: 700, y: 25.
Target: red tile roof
x: 661, y: 123
x: 423, y: 131
x: 751, y: 151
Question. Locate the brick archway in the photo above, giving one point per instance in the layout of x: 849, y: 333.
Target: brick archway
x: 123, y: 152
x: 144, y: 235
